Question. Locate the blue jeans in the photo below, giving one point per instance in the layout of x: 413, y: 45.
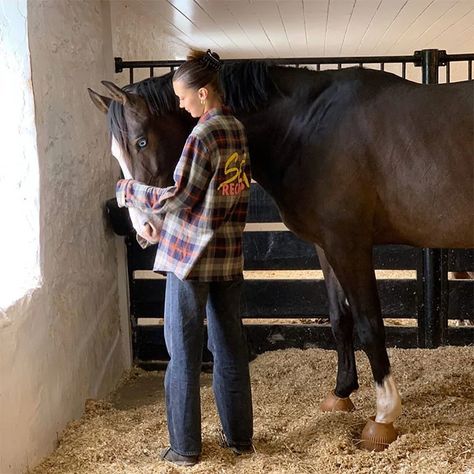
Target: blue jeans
x: 186, y: 304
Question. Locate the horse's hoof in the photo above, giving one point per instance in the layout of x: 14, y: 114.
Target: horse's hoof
x: 377, y: 436
x: 334, y: 403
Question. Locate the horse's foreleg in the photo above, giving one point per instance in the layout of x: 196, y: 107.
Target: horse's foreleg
x: 353, y: 265
x: 342, y: 325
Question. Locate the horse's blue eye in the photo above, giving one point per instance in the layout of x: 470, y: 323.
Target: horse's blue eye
x: 142, y: 143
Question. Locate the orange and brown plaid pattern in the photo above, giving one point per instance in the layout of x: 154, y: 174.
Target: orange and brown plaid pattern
x: 205, y: 210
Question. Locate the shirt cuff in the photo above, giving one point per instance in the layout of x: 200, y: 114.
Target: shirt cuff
x: 121, y: 191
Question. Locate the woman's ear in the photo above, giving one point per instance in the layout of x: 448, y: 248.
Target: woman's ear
x: 203, y: 93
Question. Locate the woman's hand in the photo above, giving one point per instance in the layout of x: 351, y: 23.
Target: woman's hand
x: 146, y: 225
x: 151, y: 233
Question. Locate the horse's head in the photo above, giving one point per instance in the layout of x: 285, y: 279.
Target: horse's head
x: 150, y: 143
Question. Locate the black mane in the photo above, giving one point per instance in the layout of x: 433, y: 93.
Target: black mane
x: 246, y: 86
x: 158, y: 93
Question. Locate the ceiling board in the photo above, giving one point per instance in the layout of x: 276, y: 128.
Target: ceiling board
x: 361, y: 19
x: 313, y: 28
x: 437, y: 28
x: 316, y: 14
x: 270, y: 18
x: 339, y: 17
x: 204, y: 23
x: 427, y: 18
x: 219, y: 11
x: 295, y: 25
x: 250, y: 24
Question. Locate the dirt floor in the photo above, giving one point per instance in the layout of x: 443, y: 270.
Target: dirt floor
x: 124, y: 433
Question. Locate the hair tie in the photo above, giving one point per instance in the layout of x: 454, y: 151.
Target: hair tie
x: 209, y: 60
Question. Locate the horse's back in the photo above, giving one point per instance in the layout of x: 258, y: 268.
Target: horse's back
x: 373, y: 154
x: 424, y: 162
x: 409, y: 150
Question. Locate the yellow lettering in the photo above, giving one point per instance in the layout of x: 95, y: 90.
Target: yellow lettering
x: 234, y: 167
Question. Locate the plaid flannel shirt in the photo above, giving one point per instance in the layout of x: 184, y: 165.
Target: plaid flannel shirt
x: 205, y: 210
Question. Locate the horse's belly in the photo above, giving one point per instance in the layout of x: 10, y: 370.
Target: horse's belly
x: 436, y: 227
x: 428, y: 200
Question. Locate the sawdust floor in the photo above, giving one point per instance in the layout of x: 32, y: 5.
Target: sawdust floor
x: 124, y: 434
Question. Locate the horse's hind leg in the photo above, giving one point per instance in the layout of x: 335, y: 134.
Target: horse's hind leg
x: 342, y: 325
x: 352, y: 263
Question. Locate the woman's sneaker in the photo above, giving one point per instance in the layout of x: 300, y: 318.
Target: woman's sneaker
x: 237, y: 449
x: 169, y: 455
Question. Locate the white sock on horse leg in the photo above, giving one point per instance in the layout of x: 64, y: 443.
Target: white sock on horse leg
x: 389, y: 403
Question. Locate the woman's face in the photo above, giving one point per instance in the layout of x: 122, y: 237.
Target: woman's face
x: 189, y: 99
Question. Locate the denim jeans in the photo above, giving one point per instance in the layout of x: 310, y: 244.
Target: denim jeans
x: 186, y: 304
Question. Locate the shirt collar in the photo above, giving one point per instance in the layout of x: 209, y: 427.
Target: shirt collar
x: 213, y: 112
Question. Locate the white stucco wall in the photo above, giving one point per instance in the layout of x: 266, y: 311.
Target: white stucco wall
x: 137, y: 35
x: 19, y: 175
x: 63, y: 343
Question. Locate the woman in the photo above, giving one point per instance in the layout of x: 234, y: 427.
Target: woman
x: 200, y: 249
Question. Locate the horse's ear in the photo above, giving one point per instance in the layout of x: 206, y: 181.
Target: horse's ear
x: 117, y: 93
x: 100, y: 101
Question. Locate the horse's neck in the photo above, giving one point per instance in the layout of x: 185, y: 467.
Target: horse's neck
x: 275, y: 133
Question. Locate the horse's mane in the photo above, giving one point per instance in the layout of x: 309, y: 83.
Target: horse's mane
x: 157, y: 92
x: 246, y: 86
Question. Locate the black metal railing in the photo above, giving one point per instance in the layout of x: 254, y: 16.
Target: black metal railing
x: 428, y: 58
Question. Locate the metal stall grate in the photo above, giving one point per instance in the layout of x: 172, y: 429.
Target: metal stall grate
x: 283, y: 284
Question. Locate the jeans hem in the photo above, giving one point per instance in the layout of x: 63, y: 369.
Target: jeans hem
x: 185, y: 453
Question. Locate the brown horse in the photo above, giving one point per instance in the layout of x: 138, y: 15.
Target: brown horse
x: 352, y: 158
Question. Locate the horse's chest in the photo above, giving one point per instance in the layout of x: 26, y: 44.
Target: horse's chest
x: 300, y: 215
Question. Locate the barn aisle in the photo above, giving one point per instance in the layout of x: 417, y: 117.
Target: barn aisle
x: 124, y: 433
